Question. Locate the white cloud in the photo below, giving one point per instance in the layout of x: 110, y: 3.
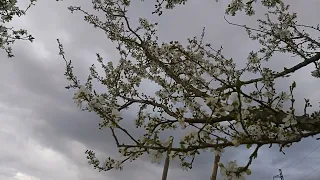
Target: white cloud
x: 22, y: 176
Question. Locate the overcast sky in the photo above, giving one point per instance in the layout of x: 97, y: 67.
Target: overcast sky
x: 43, y: 135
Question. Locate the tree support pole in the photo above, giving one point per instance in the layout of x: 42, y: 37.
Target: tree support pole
x: 167, y: 161
x: 215, y: 167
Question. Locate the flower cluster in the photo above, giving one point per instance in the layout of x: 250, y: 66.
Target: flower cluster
x: 156, y: 156
x: 230, y: 171
x: 205, y: 98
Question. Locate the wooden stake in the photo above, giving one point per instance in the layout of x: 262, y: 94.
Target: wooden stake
x: 167, y: 161
x: 215, y: 167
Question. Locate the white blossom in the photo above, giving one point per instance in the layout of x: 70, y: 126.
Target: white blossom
x: 230, y: 170
x: 184, y: 168
x: 156, y: 156
x: 122, y: 151
x: 198, y: 100
x: 283, y: 34
x: 167, y: 142
x: 236, y: 6
x: 115, y: 112
x: 244, y: 113
x: 212, y: 100
x: 235, y: 142
x: 184, y: 77
x: 238, y: 124
x: 105, y: 164
x: 191, y: 132
x: 117, y: 165
x: 218, y: 152
x: 182, y: 123
x: 289, y: 120
x: 284, y: 96
x: 253, y: 58
x: 228, y: 108
x: 171, y: 155
x: 255, y: 130
x: 234, y: 98
x: 223, y: 171
x: 220, y: 112
x: 81, y: 91
x: 96, y: 102
x: 281, y: 135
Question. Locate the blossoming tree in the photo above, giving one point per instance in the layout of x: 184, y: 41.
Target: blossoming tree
x: 201, y: 90
x: 8, y: 35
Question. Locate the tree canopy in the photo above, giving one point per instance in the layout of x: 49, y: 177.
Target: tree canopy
x: 201, y: 92
x: 189, y: 99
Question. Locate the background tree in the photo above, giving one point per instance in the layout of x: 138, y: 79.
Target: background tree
x: 202, y: 91
x: 8, y: 35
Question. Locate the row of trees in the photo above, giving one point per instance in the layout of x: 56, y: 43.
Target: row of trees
x: 215, y: 117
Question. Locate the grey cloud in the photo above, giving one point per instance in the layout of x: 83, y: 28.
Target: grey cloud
x: 32, y: 85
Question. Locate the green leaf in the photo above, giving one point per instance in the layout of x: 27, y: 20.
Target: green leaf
x: 209, y: 104
x: 221, y: 165
x: 182, y: 146
x: 248, y: 171
x: 294, y: 84
x: 249, y: 146
x: 155, y: 136
x: 238, y: 84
